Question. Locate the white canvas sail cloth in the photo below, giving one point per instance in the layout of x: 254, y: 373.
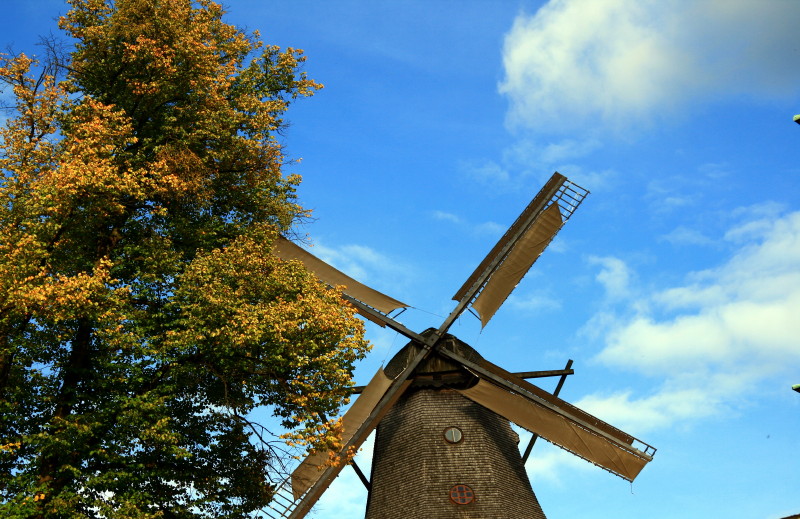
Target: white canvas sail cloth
x: 616, y: 456
x: 310, y: 470
x: 525, y: 252
x: 286, y: 250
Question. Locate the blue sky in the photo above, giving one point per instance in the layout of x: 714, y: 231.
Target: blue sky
x: 675, y: 287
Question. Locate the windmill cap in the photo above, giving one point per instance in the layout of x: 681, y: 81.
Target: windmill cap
x: 436, y: 370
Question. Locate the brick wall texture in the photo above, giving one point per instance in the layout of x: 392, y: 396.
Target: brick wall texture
x: 414, y: 467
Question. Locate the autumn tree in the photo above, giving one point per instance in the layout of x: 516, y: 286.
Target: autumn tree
x: 142, y: 315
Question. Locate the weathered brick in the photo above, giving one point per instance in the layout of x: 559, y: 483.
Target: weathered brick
x: 414, y: 467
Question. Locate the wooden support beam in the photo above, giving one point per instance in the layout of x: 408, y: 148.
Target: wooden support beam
x: 356, y: 390
x: 529, y: 448
x: 361, y: 475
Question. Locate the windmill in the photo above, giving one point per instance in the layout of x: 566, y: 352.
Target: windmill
x: 444, y: 445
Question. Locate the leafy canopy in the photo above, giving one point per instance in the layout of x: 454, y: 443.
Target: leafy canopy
x: 142, y: 315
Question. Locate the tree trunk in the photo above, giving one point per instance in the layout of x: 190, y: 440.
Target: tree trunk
x: 76, y: 370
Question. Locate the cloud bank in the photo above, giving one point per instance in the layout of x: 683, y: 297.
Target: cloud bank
x: 711, y: 340
x: 614, y: 63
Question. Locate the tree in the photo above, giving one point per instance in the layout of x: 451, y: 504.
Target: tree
x: 142, y: 314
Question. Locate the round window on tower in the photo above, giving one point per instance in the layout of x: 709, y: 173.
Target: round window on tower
x: 453, y: 435
x: 462, y: 495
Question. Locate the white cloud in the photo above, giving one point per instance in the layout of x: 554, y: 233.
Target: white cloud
x: 360, y: 262
x: 547, y: 462
x: 535, y: 302
x: 654, y: 412
x: 587, y: 63
x: 445, y: 216
x: 713, y: 339
x: 758, y: 220
x: 720, y: 337
x: 552, y: 465
x: 614, y: 275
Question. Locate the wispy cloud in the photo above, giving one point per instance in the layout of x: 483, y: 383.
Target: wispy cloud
x: 686, y: 236
x: 447, y: 217
x: 528, y: 162
x: 487, y: 172
x: 584, y: 64
x: 362, y: 263
x: 537, y: 301
x: 491, y: 228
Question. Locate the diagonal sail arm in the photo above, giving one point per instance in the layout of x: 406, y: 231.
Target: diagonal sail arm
x: 518, y: 248
x: 382, y: 319
x: 362, y: 428
x: 380, y: 304
x: 555, y: 420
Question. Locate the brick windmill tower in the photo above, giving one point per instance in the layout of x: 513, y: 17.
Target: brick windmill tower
x: 444, y: 446
x: 454, y: 456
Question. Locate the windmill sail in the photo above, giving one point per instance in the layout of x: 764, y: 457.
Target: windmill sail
x: 561, y: 428
x: 519, y: 260
x: 309, y: 472
x: 554, y: 419
x: 287, y: 250
x: 516, y: 251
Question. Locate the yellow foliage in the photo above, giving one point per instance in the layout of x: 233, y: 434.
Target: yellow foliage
x: 142, y: 313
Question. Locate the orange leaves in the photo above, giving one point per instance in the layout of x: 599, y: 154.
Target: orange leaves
x: 25, y: 146
x: 159, y: 58
x: 10, y: 447
x: 289, y: 60
x: 62, y: 297
x: 178, y: 173
x: 283, y: 321
x: 89, y: 164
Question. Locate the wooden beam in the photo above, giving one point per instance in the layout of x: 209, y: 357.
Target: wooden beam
x: 356, y: 390
x: 546, y: 373
x: 361, y: 475
x: 560, y: 384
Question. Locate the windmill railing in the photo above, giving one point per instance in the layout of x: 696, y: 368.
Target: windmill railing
x: 569, y: 197
x: 283, y: 502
